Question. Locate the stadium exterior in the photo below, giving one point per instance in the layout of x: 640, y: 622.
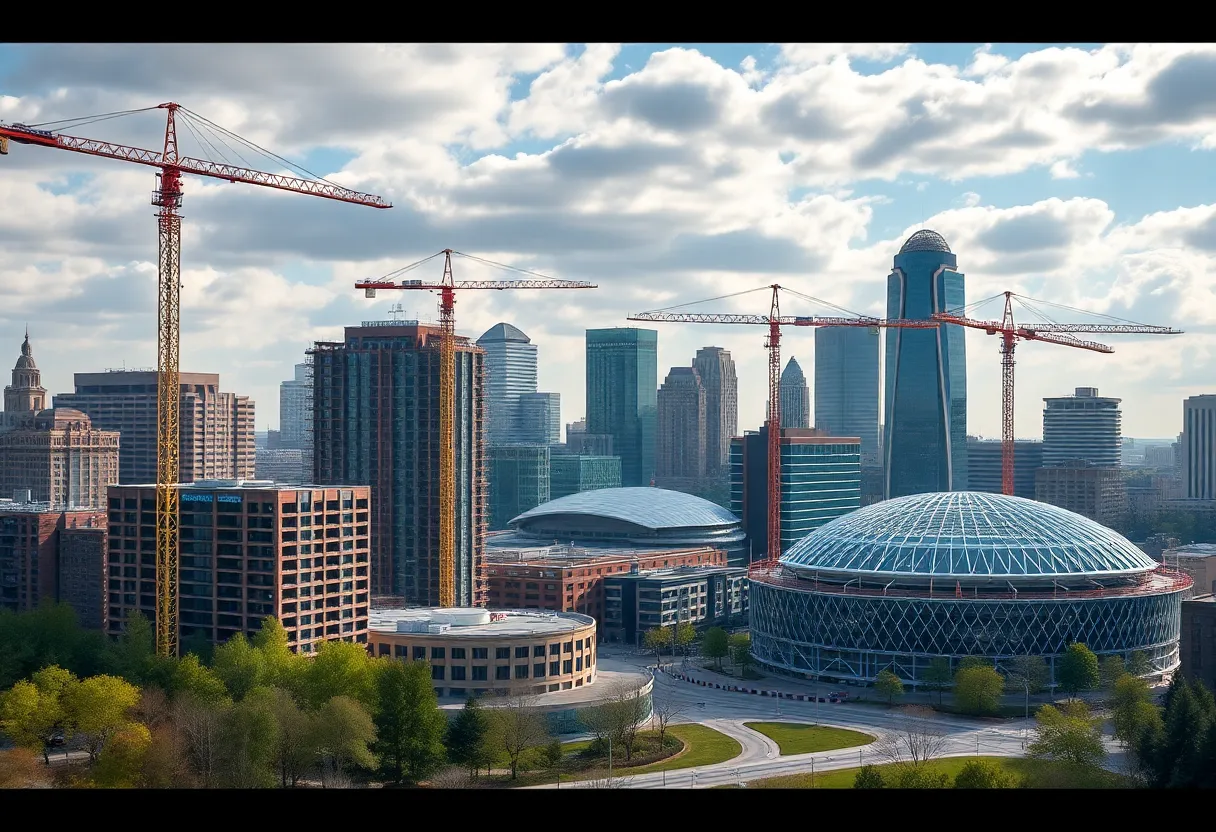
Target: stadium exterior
x: 897, y: 584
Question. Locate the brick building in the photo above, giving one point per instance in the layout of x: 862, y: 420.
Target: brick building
x: 47, y: 554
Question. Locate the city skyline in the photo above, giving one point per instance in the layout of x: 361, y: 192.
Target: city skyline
x: 1089, y: 208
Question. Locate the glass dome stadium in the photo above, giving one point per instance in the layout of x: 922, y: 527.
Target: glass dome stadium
x: 968, y: 538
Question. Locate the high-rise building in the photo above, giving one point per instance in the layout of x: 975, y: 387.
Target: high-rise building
x: 60, y: 459
x: 26, y: 395
x: 1097, y: 492
x: 985, y: 460
x: 519, y: 481
x: 846, y: 385
x: 572, y: 473
x: 216, y: 428
x: 622, y: 396
x: 285, y: 466
x: 1199, y: 447
x: 1083, y: 426
x: 248, y: 550
x: 680, y: 443
x: 540, y: 419
x: 295, y: 410
x: 510, y: 359
x: 820, y: 481
x: 925, y: 441
x: 795, y: 397
x: 376, y: 400
x: 717, y: 371
x: 48, y: 554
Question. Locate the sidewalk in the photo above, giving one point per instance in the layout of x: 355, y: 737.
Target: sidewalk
x: 775, y: 687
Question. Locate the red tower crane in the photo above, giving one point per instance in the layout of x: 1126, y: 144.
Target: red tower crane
x: 447, y: 382
x: 1050, y: 333
x: 168, y: 198
x: 774, y: 320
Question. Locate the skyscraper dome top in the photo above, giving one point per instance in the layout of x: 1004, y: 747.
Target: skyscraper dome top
x: 793, y: 372
x: 925, y: 240
x: 26, y: 361
x: 504, y: 332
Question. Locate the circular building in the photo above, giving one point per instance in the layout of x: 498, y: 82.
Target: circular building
x: 897, y: 584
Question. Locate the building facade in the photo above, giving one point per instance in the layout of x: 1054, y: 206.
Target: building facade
x: 985, y: 460
x: 1198, y: 640
x: 1089, y: 490
x: 60, y: 459
x: 681, y: 440
x: 1083, y: 426
x: 570, y: 474
x: 511, y: 375
x: 295, y: 410
x: 622, y: 396
x: 248, y: 550
x: 716, y: 369
x: 925, y: 422
x: 795, y: 396
x: 702, y: 596
x: 286, y: 466
x: 846, y: 386
x: 540, y: 419
x: 376, y: 421
x: 820, y: 481
x: 519, y: 481
x: 1199, y: 447
x: 48, y: 554
x: 216, y: 428
x: 25, y: 396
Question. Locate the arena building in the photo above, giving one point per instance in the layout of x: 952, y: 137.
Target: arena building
x: 899, y: 583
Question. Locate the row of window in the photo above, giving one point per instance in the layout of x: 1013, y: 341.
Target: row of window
x: 502, y: 672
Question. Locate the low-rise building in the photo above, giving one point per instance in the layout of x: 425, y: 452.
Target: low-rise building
x: 1197, y: 646
x: 48, y: 554
x: 701, y: 596
x: 1099, y: 493
x: 1197, y: 560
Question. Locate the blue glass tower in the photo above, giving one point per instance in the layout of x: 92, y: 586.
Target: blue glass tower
x: 925, y: 445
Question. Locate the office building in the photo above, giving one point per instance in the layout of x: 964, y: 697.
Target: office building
x: 1199, y: 447
x: 716, y: 369
x: 925, y: 441
x: 702, y: 596
x: 1089, y: 490
x: 295, y: 410
x: 248, y: 550
x: 376, y: 400
x: 286, y: 466
x: 25, y: 396
x: 519, y: 480
x: 1083, y: 426
x: 680, y: 443
x: 622, y: 396
x: 540, y: 419
x: 516, y: 412
x: 846, y: 386
x: 48, y: 554
x: 570, y: 473
x: 1197, y: 645
x: 985, y: 461
x: 216, y: 428
x: 59, y: 458
x: 795, y: 397
x: 820, y: 481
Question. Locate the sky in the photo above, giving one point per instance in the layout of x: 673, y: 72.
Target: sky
x: 1077, y: 174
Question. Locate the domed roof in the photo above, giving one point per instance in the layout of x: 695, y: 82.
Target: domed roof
x: 26, y: 360
x: 60, y: 415
x: 962, y: 535
x: 925, y: 240
x: 651, y: 508
x: 504, y: 332
x: 793, y: 372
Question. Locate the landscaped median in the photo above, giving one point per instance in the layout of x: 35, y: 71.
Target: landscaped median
x: 1022, y: 772
x: 800, y: 738
x: 702, y: 746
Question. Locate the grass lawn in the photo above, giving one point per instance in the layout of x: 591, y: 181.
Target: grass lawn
x: 702, y: 747
x: 1039, y: 773
x: 796, y: 738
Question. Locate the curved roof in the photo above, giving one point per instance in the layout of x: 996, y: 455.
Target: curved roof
x: 925, y: 240
x: 961, y: 534
x: 650, y: 508
x: 504, y: 332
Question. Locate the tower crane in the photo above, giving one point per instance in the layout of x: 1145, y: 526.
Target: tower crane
x: 1049, y: 333
x: 774, y: 320
x: 168, y: 198
x: 447, y: 287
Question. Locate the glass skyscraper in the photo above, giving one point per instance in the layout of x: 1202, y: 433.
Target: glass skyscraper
x: 622, y: 396
x: 510, y: 373
x: 846, y: 385
x: 795, y: 397
x: 925, y: 447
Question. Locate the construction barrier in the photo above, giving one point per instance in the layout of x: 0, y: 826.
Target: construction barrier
x: 776, y: 694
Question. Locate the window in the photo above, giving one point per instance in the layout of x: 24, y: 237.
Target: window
x: 479, y: 673
x: 521, y: 652
x: 568, y: 647
x: 437, y: 653
x: 437, y: 672
x: 567, y: 666
x: 578, y: 665
x: 521, y: 671
x: 538, y: 669
x: 554, y: 668
x: 578, y: 645
x: 419, y: 654
x: 502, y: 653
x: 457, y: 652
x: 479, y: 652
x: 457, y: 674
x: 502, y: 672
x: 554, y: 649
x: 539, y: 651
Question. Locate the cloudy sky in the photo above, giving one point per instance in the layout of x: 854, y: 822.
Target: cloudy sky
x: 1080, y: 175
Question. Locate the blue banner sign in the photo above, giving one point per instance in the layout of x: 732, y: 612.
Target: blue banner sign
x: 227, y: 498
x: 188, y: 497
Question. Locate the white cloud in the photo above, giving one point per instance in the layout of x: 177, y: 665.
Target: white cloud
x: 1063, y: 170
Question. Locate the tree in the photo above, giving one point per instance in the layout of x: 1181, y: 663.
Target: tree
x: 741, y: 651
x: 452, y: 777
x: 868, y: 777
x: 295, y: 745
x: 938, y: 676
x: 982, y: 774
x: 33, y: 713
x: 409, y: 724
x: 249, y: 736
x: 135, y: 650
x: 165, y: 764
x: 1173, y: 754
x: 283, y: 668
x: 1027, y: 675
x: 1069, y: 734
x: 553, y: 754
x: 20, y: 769
x: 516, y: 726
x: 978, y: 689
x: 340, y: 668
x: 121, y: 763
x: 716, y: 645
x: 1138, y: 664
x: 1132, y: 709
x: 1110, y: 670
x: 914, y: 740
x: 1078, y: 670
x: 202, y: 683
x: 467, y: 738
x: 657, y: 638
x: 919, y: 777
x: 239, y: 666
x: 664, y: 709
x: 888, y: 685
x: 684, y: 635
x: 344, y: 732
x: 99, y: 706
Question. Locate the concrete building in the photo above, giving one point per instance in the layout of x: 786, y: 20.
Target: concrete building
x: 1199, y: 447
x: 1197, y: 560
x: 519, y: 481
x: 295, y: 409
x: 703, y: 596
x: 984, y: 463
x: 846, y: 386
x: 216, y: 428
x: 1083, y: 426
x: 820, y: 481
x: 248, y: 550
x: 286, y: 466
x: 795, y: 397
x: 716, y: 369
x: 475, y: 652
x: 570, y: 474
x: 680, y: 443
x: 49, y: 554
x: 622, y: 396
x: 60, y: 459
x: 1197, y: 646
x: 540, y: 419
x: 376, y: 421
x: 1089, y: 490
x: 511, y: 372
x: 25, y: 396
x: 925, y: 441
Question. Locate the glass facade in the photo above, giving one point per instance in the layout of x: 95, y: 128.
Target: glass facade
x: 795, y: 397
x: 846, y: 385
x: 510, y: 363
x: 540, y: 419
x: 1083, y: 426
x: 519, y: 481
x: 622, y: 396
x: 984, y: 466
x: 925, y: 447
x: 570, y: 474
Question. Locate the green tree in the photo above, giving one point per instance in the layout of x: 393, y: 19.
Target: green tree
x: 283, y: 668
x: 204, y: 684
x: 1138, y: 664
x: 32, y: 713
x: 657, y: 638
x: 716, y: 645
x: 938, y: 676
x: 344, y: 733
x: 978, y: 689
x: 684, y: 635
x: 295, y: 746
x: 99, y: 706
x: 982, y: 774
x: 741, y: 652
x: 249, y: 736
x: 888, y: 685
x: 121, y: 763
x: 919, y: 777
x: 553, y: 754
x: 135, y: 650
x: 239, y: 665
x: 1069, y: 734
x: 1110, y: 670
x: 1078, y: 670
x: 517, y: 727
x: 467, y: 738
x: 1132, y: 709
x: 409, y: 724
x: 1172, y: 754
x: 1027, y: 675
x: 967, y: 662
x: 868, y: 777
x: 340, y: 668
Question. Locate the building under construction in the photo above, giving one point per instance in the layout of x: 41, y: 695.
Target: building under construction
x: 376, y: 422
